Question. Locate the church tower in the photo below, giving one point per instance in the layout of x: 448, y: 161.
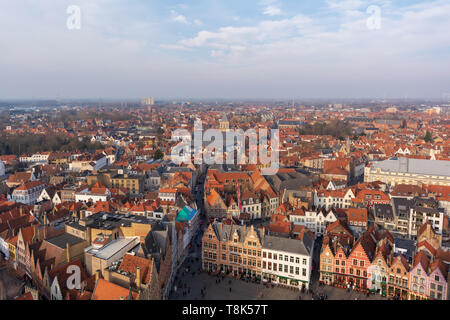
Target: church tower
x: 224, y: 123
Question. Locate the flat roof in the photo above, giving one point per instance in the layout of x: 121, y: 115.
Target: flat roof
x: 113, y: 247
x: 63, y: 239
x: 418, y: 166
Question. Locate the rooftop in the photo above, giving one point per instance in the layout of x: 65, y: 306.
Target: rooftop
x: 113, y: 247
x: 417, y: 166
x: 61, y: 240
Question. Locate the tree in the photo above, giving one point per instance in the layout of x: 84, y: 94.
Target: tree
x: 158, y: 155
x: 428, y: 137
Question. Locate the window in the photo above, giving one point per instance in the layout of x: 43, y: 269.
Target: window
x: 286, y: 268
x: 270, y: 255
x: 439, y: 287
x: 291, y: 269
x: 436, y: 278
x: 304, y: 262
x: 297, y: 270
x: 280, y: 267
x: 291, y: 259
x: 297, y: 260
x: 304, y: 272
x: 433, y: 286
x: 264, y: 254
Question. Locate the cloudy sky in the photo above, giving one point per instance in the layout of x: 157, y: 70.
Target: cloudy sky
x: 225, y: 49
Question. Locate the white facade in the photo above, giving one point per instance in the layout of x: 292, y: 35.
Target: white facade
x: 36, y: 158
x: 86, y: 196
x: 253, y: 207
x: 27, y: 196
x: 288, y: 268
x: 334, y: 199
x: 167, y: 196
x: 314, y: 221
x: 409, y: 171
x: 436, y: 219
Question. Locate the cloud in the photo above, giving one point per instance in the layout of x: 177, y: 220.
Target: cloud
x: 178, y: 17
x: 328, y: 53
x: 270, y: 7
x: 272, y: 11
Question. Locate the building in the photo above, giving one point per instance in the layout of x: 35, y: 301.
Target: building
x: 341, y: 198
x: 224, y: 124
x: 28, y: 192
x: 133, y: 183
x: 232, y: 249
x: 398, y: 278
x: 422, y: 211
x: 409, y: 171
x: 288, y: 261
x: 148, y: 101
x: 188, y: 219
x: 2, y: 169
x: 100, y: 256
x: 314, y: 220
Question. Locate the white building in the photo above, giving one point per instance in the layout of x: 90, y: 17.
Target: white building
x: 409, y: 171
x: 28, y: 192
x: 420, y: 215
x: 314, y: 220
x: 87, y: 196
x: 166, y: 194
x: 341, y: 198
x: 40, y: 157
x: 287, y: 261
x: 2, y: 169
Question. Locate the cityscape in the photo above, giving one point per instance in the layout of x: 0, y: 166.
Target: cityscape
x: 224, y: 181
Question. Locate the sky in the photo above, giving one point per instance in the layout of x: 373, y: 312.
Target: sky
x: 128, y: 49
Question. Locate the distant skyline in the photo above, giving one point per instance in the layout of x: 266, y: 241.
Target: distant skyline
x: 266, y: 49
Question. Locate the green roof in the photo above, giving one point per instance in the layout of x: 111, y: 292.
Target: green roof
x: 186, y: 214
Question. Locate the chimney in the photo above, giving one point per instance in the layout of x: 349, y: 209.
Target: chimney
x: 97, y: 275
x: 138, y: 277
x: 67, y: 252
x: 88, y: 235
